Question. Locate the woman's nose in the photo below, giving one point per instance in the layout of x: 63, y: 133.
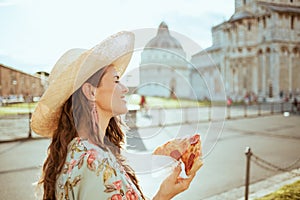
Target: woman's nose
x: 124, y: 89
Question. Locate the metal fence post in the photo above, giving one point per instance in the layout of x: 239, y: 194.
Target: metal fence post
x: 209, y: 112
x: 228, y: 111
x: 159, y: 117
x: 282, y: 111
x: 29, y: 131
x: 272, y: 108
x: 259, y: 109
x: 245, y: 110
x: 248, y: 156
x: 186, y: 116
x: 29, y: 116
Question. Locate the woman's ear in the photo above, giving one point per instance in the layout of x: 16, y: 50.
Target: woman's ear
x: 89, y: 91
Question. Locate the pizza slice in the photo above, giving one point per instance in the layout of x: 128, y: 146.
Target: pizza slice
x: 187, y: 149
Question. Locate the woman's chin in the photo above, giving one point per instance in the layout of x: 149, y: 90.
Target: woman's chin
x: 125, y: 111
x: 122, y: 111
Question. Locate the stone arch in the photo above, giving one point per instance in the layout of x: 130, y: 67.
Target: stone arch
x: 268, y: 50
x: 260, y: 52
x: 284, y: 49
x: 296, y: 51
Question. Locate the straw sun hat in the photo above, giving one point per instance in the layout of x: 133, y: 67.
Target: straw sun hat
x: 72, y: 70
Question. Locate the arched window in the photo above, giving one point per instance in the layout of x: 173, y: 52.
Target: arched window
x: 259, y: 52
x: 264, y: 21
x: 296, y: 50
x: 249, y: 26
x: 284, y: 50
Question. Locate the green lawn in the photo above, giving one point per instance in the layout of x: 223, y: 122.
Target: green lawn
x: 25, y: 108
x: 18, y: 108
x: 166, y: 102
x: 287, y: 192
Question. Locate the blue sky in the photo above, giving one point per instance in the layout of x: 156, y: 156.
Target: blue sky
x: 35, y: 33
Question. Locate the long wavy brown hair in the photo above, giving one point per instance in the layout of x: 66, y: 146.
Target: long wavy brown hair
x: 78, y: 108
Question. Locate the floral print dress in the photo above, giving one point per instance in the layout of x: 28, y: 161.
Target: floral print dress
x: 92, y: 173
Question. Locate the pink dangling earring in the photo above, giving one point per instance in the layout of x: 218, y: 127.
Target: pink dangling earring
x: 95, y: 120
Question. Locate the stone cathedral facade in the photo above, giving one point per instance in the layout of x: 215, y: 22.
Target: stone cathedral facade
x: 257, y: 50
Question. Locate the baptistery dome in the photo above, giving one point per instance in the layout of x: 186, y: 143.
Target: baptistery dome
x: 163, y: 49
x: 163, y: 39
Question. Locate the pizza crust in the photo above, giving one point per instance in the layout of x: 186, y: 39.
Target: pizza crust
x: 188, y: 150
x: 196, y: 166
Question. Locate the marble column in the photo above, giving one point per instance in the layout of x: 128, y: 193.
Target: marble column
x: 254, y: 79
x: 240, y: 79
x: 290, y: 66
x: 274, y: 75
x: 263, y: 75
x: 236, y: 80
x: 226, y: 75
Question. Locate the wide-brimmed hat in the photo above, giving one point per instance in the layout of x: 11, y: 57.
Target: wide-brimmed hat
x: 72, y: 70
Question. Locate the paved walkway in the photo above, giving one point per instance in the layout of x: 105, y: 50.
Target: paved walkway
x: 261, y: 188
x: 224, y: 167
x: 224, y: 146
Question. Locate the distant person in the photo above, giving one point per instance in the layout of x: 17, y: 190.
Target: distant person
x: 295, y: 104
x: 290, y: 95
x: 229, y: 101
x: 144, y: 106
x: 80, y: 111
x: 247, y: 99
x: 143, y: 101
x: 281, y: 94
x: 287, y: 98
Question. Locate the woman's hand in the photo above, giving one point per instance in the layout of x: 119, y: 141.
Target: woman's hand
x: 173, y: 185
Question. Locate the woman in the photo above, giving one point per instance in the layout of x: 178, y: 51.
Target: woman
x: 79, y: 111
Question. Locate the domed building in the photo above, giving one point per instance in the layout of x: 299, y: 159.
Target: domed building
x: 164, y: 69
x: 163, y: 48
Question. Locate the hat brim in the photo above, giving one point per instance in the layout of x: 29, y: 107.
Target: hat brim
x: 65, y: 78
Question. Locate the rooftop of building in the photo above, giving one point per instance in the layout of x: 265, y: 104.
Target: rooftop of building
x: 163, y: 39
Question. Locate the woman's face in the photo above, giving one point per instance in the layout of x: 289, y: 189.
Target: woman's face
x: 110, y: 95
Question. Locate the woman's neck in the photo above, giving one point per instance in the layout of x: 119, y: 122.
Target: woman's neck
x: 103, y: 122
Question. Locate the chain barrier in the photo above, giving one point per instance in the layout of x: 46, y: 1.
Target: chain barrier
x: 269, y: 166
x: 265, y: 165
